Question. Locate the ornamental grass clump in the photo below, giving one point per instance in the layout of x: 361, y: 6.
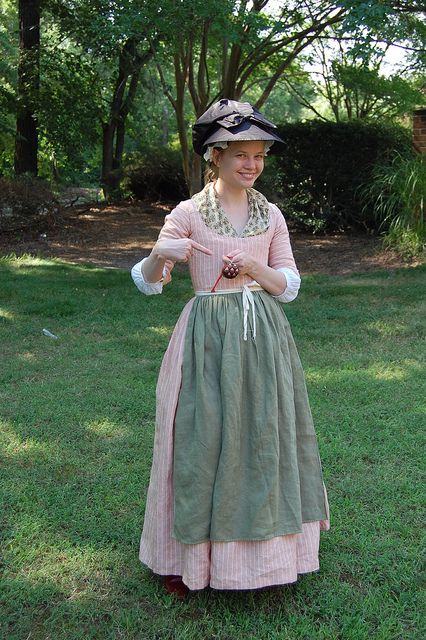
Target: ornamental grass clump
x: 398, y: 192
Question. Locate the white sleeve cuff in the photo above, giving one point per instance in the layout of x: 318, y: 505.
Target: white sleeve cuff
x: 148, y: 288
x: 293, y: 285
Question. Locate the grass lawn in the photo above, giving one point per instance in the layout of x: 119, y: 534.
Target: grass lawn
x: 77, y: 418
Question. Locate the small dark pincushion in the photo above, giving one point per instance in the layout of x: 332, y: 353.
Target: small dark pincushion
x: 230, y: 271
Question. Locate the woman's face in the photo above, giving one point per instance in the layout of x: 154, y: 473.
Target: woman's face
x: 241, y: 163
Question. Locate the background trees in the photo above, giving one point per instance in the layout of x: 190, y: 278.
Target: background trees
x: 353, y: 84
x: 108, y: 80
x: 225, y: 47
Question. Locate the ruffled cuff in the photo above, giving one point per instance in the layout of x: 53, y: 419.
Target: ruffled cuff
x: 293, y: 285
x: 148, y: 288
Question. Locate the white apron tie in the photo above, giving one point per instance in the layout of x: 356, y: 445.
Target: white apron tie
x: 248, y: 300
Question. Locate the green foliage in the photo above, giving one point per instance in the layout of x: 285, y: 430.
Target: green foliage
x: 152, y: 122
x: 353, y: 82
x: 8, y: 79
x: 76, y: 436
x: 397, y: 192
x: 406, y: 242
x: 69, y: 114
x: 81, y: 42
x: 373, y: 95
x: 157, y: 173
x: 282, y: 105
x: 316, y: 180
x: 384, y: 20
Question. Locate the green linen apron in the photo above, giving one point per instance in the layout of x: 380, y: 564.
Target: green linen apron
x: 246, y: 462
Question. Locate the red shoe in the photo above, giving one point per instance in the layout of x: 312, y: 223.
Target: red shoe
x: 174, y: 584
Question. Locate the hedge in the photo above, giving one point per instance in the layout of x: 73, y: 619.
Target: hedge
x: 317, y: 181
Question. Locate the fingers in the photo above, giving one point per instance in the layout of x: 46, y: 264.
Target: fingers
x: 233, y: 256
x: 167, y: 278
x: 200, y: 247
x: 168, y: 266
x: 178, y: 249
x: 240, y: 259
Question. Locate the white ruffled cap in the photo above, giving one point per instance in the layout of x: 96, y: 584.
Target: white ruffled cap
x: 208, y: 156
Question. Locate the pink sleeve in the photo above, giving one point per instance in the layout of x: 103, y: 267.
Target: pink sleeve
x: 177, y: 223
x: 280, y: 252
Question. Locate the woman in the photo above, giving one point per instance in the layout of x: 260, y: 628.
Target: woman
x: 236, y: 498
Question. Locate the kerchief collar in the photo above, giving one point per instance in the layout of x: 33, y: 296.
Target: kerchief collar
x: 213, y: 215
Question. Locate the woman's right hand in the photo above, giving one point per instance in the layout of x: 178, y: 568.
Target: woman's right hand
x: 178, y: 250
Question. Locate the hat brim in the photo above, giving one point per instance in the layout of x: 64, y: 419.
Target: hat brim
x: 245, y: 131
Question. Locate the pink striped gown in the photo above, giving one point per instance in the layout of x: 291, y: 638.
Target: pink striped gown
x: 222, y: 565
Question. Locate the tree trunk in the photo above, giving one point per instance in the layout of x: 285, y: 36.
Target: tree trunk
x: 26, y: 141
x: 126, y: 105
x: 108, y: 131
x: 181, y: 70
x: 165, y: 127
x: 186, y: 158
x: 108, y: 179
x: 196, y: 174
x: 130, y: 65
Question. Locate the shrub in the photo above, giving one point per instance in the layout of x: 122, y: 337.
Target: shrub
x: 397, y: 192
x: 25, y: 201
x: 316, y: 181
x: 406, y: 242
x: 156, y: 174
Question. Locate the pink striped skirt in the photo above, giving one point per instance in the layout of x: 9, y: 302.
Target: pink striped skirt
x: 220, y: 565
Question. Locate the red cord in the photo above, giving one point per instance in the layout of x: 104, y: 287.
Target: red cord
x: 215, y: 284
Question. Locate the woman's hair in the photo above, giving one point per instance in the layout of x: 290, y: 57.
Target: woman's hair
x: 211, y: 173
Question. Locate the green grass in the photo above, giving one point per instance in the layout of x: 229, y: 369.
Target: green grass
x: 77, y: 418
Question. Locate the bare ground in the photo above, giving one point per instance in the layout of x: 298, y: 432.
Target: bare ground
x: 120, y: 235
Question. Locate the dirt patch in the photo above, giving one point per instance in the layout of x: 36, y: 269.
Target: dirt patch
x: 120, y: 235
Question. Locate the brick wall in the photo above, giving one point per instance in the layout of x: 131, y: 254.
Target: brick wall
x: 419, y: 130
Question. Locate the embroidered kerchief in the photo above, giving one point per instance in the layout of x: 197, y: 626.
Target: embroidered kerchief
x: 213, y: 215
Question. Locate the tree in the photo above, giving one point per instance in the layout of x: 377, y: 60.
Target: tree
x: 225, y: 45
x: 111, y: 34
x: 26, y: 144
x: 9, y: 43
x: 352, y: 85
x: 94, y: 54
x: 130, y: 64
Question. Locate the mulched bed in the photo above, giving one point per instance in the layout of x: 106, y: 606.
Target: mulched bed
x: 121, y: 234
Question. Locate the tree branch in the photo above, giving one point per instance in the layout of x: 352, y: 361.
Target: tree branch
x: 314, y: 29
x: 163, y: 82
x: 302, y: 100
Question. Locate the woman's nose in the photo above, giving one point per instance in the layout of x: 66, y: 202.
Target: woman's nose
x: 250, y: 162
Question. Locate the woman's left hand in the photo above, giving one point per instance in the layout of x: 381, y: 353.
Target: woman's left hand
x: 245, y: 262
